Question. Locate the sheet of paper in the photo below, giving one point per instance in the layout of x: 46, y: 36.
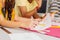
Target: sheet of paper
x: 45, y: 23
x: 25, y: 36
x: 55, y: 23
x: 4, y: 35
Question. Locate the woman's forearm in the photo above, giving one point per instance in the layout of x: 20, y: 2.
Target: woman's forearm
x: 22, y: 19
x: 30, y: 13
x: 36, y: 16
x: 25, y: 13
x: 13, y: 24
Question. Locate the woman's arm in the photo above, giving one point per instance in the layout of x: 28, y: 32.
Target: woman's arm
x: 13, y: 24
x: 22, y: 19
x: 29, y: 14
x: 36, y: 16
x: 25, y: 13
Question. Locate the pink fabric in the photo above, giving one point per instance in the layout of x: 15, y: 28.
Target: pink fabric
x: 50, y: 31
x: 30, y: 29
x: 54, y: 32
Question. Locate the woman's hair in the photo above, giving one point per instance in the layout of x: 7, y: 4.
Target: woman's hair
x: 9, y: 5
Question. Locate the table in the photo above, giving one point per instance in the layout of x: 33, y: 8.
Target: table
x: 4, y: 35
x: 21, y: 31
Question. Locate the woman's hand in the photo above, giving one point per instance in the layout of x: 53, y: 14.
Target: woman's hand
x: 29, y: 23
x: 34, y: 23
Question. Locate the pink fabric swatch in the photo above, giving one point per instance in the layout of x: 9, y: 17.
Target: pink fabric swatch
x: 49, y: 31
x: 54, y: 32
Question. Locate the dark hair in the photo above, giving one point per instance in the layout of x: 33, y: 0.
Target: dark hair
x: 9, y: 5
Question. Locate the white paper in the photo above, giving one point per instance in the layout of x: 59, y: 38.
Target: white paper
x: 56, y: 23
x: 4, y: 35
x: 46, y: 23
x: 25, y: 36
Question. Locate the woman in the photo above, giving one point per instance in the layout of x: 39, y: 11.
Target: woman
x: 5, y: 21
x: 54, y: 8
x: 28, y: 8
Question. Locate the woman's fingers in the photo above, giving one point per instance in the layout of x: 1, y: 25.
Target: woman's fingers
x: 38, y: 19
x: 34, y: 23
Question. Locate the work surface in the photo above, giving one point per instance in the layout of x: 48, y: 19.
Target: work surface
x: 3, y: 35
x: 21, y: 34
x: 16, y: 32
